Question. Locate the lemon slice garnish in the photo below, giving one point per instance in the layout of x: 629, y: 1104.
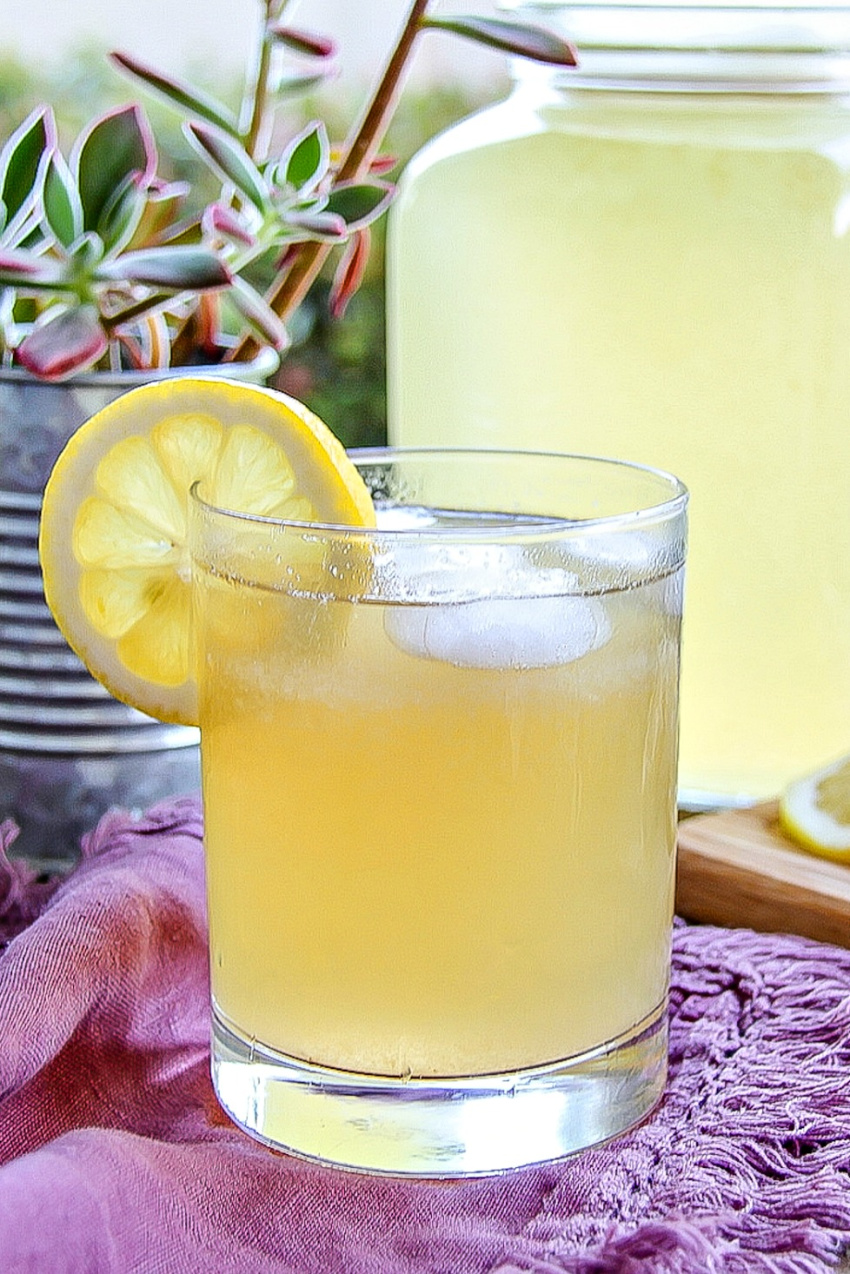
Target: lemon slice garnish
x: 815, y: 811
x: 113, y: 539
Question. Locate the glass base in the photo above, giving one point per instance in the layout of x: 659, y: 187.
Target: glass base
x: 453, y: 1127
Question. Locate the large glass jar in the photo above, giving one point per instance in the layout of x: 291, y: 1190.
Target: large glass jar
x: 649, y: 257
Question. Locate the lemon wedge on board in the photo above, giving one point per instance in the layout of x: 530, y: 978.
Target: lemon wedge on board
x: 113, y: 537
x: 815, y: 811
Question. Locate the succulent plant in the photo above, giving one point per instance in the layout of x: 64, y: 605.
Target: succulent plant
x: 99, y: 265
x: 86, y: 241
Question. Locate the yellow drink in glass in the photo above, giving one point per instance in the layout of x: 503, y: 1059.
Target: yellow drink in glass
x: 439, y: 788
x: 662, y: 276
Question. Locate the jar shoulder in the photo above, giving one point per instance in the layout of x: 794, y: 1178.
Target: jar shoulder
x: 816, y: 123
x: 504, y: 121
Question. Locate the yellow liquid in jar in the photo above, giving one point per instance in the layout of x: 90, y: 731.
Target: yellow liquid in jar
x: 421, y: 868
x: 667, y: 282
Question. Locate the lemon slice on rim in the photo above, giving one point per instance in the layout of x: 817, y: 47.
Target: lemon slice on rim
x: 113, y: 538
x: 815, y: 811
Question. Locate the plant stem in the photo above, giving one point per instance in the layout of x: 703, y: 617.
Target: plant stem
x: 251, y: 126
x: 305, y: 260
x: 254, y: 106
x: 136, y: 310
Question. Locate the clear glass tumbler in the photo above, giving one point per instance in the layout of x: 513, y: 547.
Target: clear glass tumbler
x: 439, y: 775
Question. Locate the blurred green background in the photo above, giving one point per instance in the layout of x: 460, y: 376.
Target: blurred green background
x: 336, y: 366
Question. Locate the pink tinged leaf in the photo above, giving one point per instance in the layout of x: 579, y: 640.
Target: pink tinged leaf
x: 325, y: 226
x: 159, y: 189
x: 23, y: 263
x: 231, y: 161
x: 316, y: 46
x: 187, y: 99
x: 26, y: 270
x: 517, y: 38
x: 350, y: 271
x: 253, y: 307
x: 179, y: 269
x: 287, y: 256
x: 382, y: 164
x: 221, y: 220
x: 68, y: 342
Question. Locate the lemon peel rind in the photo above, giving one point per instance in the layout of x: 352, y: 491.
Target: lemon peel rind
x: 303, y: 437
x: 809, y: 827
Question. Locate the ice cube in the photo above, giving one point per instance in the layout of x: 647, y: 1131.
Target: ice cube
x: 422, y: 570
x: 631, y: 552
x: 504, y: 632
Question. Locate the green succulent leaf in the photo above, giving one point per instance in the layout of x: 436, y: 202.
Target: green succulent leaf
x: 122, y: 214
x: 21, y: 159
x: 360, y: 203
x: 295, y: 82
x: 87, y: 251
x: 63, y: 210
x: 188, y: 100
x: 69, y: 341
x: 180, y: 269
x: 183, y: 234
x: 114, y: 147
x: 231, y: 162
x: 306, y: 159
x: 518, y: 38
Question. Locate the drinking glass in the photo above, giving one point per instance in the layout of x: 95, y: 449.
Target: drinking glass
x: 439, y: 764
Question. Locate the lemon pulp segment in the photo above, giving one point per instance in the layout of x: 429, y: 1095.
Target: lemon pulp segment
x: 114, y: 524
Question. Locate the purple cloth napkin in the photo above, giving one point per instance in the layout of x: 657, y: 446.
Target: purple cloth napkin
x: 114, y: 1155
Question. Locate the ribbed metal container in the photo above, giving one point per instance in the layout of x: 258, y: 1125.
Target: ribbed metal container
x: 68, y: 750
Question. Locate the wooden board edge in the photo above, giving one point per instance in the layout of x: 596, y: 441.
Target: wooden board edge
x: 736, y: 869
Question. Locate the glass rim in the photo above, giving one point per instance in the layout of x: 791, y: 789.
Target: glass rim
x: 672, y: 506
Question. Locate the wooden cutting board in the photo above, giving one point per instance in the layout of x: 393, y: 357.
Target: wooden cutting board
x: 736, y: 868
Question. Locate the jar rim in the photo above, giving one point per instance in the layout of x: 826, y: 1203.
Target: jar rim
x: 716, y: 25
x: 799, y: 46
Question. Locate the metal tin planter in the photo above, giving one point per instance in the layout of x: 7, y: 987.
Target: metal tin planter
x: 68, y: 750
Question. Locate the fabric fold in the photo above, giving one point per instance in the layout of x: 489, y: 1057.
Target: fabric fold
x: 115, y: 1156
